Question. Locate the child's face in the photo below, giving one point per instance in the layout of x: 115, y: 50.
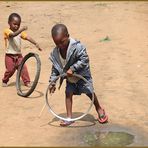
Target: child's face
x: 15, y: 24
x: 61, y: 41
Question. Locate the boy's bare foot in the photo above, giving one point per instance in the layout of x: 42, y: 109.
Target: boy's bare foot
x: 66, y: 123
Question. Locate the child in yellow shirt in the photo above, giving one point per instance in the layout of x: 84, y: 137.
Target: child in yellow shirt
x: 13, y: 55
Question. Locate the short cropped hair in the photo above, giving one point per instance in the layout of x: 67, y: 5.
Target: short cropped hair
x: 56, y: 28
x: 12, y: 15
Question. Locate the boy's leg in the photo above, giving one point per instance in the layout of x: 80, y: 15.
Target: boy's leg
x: 101, y: 113
x: 96, y: 102
x: 71, y: 89
x: 69, y: 92
x: 10, y: 68
x: 24, y: 74
x: 69, y: 101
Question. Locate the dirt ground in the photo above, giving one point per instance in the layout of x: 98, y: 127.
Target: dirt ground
x: 116, y: 35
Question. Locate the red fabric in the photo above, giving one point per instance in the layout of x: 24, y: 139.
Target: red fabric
x: 12, y: 62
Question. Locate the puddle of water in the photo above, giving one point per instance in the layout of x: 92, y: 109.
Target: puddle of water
x: 109, y: 139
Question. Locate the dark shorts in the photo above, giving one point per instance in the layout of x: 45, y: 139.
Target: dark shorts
x: 80, y: 87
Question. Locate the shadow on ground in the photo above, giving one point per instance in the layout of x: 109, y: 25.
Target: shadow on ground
x: 86, y: 121
x: 35, y: 94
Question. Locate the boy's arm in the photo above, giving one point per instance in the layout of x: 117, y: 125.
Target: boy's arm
x: 83, y: 60
x: 13, y: 34
x: 54, y: 74
x: 28, y: 38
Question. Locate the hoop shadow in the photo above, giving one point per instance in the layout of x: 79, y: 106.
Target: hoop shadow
x: 39, y: 93
x: 88, y: 118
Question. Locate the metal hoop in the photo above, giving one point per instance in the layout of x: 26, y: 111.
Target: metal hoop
x: 69, y: 119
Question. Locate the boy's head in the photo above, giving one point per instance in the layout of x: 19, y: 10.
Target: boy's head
x: 14, y: 21
x: 60, y: 36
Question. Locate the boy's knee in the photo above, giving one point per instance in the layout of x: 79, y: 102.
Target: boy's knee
x: 68, y: 94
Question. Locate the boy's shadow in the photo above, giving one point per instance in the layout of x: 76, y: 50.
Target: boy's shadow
x: 36, y: 93
x: 87, y: 120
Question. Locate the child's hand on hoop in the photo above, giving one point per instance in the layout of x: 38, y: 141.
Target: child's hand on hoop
x: 69, y: 72
x: 52, y: 89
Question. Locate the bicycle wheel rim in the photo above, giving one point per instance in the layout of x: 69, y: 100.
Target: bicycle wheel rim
x: 68, y: 119
x: 34, y: 84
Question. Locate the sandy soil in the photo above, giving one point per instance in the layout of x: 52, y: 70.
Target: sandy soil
x: 119, y: 68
